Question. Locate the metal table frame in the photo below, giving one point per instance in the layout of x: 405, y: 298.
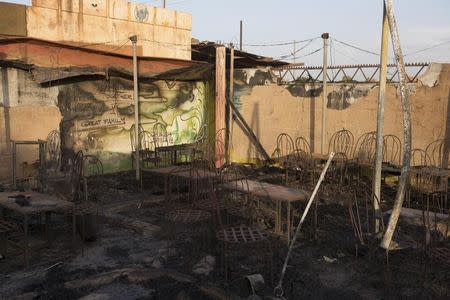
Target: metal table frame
x: 42, y: 145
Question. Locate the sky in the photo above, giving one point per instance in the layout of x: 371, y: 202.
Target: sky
x: 422, y: 24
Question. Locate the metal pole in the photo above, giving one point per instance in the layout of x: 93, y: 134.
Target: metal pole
x: 133, y: 40
x: 406, y: 112
x: 164, y: 3
x: 380, y: 117
x: 230, y: 99
x: 240, y: 36
x: 325, y: 37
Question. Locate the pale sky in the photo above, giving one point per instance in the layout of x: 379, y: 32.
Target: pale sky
x: 421, y: 24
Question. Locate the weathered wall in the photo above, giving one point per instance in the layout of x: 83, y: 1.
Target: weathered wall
x: 27, y: 112
x: 94, y: 116
x: 271, y: 109
x: 107, y: 23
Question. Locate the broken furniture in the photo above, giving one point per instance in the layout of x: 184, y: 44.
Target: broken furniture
x: 53, y: 153
x: 6, y: 228
x: 438, y: 152
x: 341, y: 142
x: 285, y: 146
x: 41, y: 144
x: 278, y: 195
x: 171, y: 172
x: 38, y: 204
x: 83, y: 214
x: 174, y: 151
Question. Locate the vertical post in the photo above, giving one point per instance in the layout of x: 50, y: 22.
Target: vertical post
x: 133, y: 40
x: 380, y: 118
x: 14, y: 164
x: 325, y: 37
x: 240, y: 36
x: 164, y: 3
x: 220, y: 105
x: 228, y: 107
x: 406, y: 113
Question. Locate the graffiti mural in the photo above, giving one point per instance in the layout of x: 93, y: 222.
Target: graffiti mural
x: 98, y: 116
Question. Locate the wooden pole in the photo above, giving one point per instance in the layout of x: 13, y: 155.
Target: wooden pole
x: 406, y: 110
x: 324, y: 92
x: 220, y: 105
x: 229, y: 111
x: 380, y: 117
x: 133, y: 40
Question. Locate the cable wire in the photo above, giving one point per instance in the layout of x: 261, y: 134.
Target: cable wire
x: 356, y: 47
x: 279, y: 44
x: 428, y: 48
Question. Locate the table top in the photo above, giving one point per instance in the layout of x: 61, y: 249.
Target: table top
x: 176, y: 147
x: 271, y: 191
x: 430, y: 171
x: 181, y: 171
x: 166, y: 170
x: 38, y: 203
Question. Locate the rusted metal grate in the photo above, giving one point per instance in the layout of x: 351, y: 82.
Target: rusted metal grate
x: 188, y: 215
x: 6, y: 226
x: 241, y: 234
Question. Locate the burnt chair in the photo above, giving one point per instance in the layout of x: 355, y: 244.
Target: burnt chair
x: 419, y: 159
x: 243, y: 230
x: 363, y: 154
x: 438, y: 152
x: 148, y: 155
x: 53, y: 152
x: 341, y: 142
x: 285, y: 146
x: 302, y: 144
x: 365, y: 215
x: 392, y: 150
x: 133, y: 142
x: 83, y: 214
x: 161, y: 139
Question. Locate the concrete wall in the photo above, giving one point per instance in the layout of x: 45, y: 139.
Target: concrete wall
x: 94, y: 116
x: 27, y: 112
x: 271, y: 109
x: 106, y: 23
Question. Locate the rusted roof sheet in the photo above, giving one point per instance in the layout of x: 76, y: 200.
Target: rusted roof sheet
x: 206, y: 52
x: 51, y: 61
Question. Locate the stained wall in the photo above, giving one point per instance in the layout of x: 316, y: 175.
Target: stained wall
x: 102, y: 24
x: 271, y: 109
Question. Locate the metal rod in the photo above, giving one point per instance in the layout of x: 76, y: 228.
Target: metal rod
x: 133, y: 40
x: 240, y: 36
x: 324, y: 92
x: 406, y: 110
x: 380, y: 117
x: 164, y: 3
x: 279, y: 288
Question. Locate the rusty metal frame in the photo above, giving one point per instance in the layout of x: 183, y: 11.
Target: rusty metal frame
x: 286, y: 74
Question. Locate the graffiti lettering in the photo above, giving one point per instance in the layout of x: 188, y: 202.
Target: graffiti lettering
x: 103, y: 122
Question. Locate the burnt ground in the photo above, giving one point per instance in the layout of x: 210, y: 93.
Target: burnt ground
x: 138, y: 254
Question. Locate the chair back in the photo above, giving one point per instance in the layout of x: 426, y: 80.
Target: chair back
x: 341, y: 142
x: 392, y: 150
x: 438, y: 152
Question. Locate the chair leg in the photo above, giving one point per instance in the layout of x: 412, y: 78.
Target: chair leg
x: 3, y: 243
